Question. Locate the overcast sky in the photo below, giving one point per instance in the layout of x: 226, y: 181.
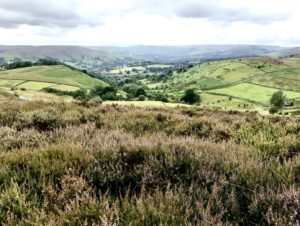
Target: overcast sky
x: 149, y: 22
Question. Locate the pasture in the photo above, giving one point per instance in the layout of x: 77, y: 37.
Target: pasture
x: 249, y: 82
x: 28, y: 83
x: 254, y: 93
x: 60, y: 75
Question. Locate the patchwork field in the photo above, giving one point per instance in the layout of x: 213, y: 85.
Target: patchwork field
x: 29, y: 82
x: 242, y: 84
x: 34, y: 85
x: 245, y: 83
x: 213, y: 74
x: 10, y: 83
x: 60, y: 75
x: 254, y: 93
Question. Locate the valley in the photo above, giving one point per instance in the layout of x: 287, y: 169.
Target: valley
x: 243, y: 84
x: 149, y: 113
x: 135, y: 142
x: 234, y: 84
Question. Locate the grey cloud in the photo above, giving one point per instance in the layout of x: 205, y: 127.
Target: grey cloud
x: 66, y: 13
x: 216, y: 12
x: 45, y: 13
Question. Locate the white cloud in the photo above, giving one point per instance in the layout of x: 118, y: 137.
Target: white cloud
x: 156, y: 22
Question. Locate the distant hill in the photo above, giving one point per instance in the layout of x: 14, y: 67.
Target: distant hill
x: 289, y: 52
x: 170, y: 54
x: 57, y: 52
x: 120, y: 55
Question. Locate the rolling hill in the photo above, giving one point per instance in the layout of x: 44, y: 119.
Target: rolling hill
x: 57, y: 52
x: 176, y: 54
x: 242, y: 83
x: 30, y: 81
x: 139, y: 53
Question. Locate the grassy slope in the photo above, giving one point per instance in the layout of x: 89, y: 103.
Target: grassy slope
x: 52, y: 74
x: 28, y: 82
x: 253, y: 93
x: 250, y: 80
x: 10, y: 83
x: 213, y: 74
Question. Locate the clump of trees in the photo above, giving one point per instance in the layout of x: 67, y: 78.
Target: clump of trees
x: 191, y: 97
x: 277, y: 101
x: 105, y: 93
x: 134, y: 91
x: 23, y: 64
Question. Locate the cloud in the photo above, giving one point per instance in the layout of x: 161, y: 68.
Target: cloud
x: 157, y: 22
x: 215, y: 11
x: 47, y: 13
x: 74, y: 13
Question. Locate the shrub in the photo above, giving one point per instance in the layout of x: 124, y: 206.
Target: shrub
x: 80, y: 94
x: 161, y: 97
x: 141, y: 98
x: 191, y: 97
x: 45, y: 121
x: 13, y: 204
x: 74, y: 164
x: 106, y: 93
x: 278, y: 99
x: 95, y: 101
x: 140, y: 92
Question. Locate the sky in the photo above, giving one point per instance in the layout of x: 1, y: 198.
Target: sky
x: 149, y: 22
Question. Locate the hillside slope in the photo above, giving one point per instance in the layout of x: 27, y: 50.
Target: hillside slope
x: 57, y: 52
x: 172, y: 54
x: 60, y: 75
x: 145, y: 53
x: 247, y: 81
x: 28, y: 83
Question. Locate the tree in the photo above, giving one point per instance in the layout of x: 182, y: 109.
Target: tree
x: 80, y: 94
x: 106, y: 93
x: 140, y: 92
x: 134, y: 90
x: 191, y: 97
x: 141, y: 98
x: 278, y: 99
x: 161, y: 97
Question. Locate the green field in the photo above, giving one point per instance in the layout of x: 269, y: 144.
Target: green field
x: 244, y: 84
x: 249, y: 82
x: 254, y: 93
x: 9, y: 83
x: 64, y: 87
x: 213, y: 74
x: 60, y: 75
x: 41, y: 96
x: 27, y: 83
x: 34, y: 85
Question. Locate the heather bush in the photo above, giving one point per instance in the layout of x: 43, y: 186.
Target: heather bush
x: 74, y: 164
